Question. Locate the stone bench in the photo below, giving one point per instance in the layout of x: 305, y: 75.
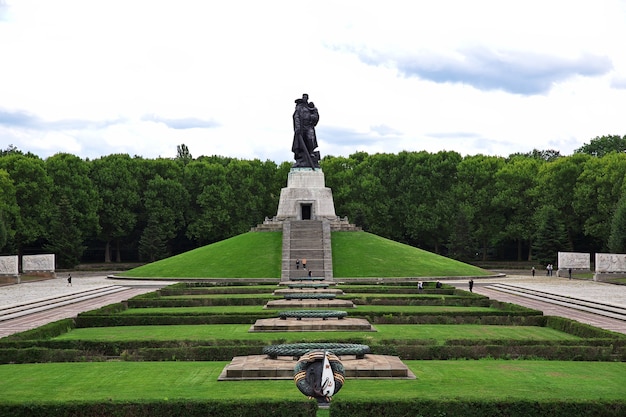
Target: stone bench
x: 319, y: 314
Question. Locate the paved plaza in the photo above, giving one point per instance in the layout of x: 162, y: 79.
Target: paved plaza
x: 581, y: 289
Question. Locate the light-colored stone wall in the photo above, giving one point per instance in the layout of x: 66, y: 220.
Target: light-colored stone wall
x: 36, y: 263
x: 610, y: 262
x: 574, y: 260
x: 9, y: 265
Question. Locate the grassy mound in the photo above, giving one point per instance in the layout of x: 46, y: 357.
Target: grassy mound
x: 361, y: 254
x: 258, y: 255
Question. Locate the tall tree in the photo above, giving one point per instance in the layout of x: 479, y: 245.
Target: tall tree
x: 33, y: 195
x: 556, y: 184
x: 75, y: 197
x: 9, y: 211
x: 115, y: 178
x: 617, y: 237
x: 64, y: 235
x: 603, y: 145
x: 514, y: 197
x: 550, y: 235
x: 474, y: 189
x: 165, y: 202
x: 597, y: 192
x: 208, y: 216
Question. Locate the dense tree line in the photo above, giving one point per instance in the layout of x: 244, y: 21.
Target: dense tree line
x: 122, y: 208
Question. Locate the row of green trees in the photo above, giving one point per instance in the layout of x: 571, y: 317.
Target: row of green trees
x: 122, y: 208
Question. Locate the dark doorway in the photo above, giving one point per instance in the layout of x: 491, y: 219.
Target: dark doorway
x: 306, y: 211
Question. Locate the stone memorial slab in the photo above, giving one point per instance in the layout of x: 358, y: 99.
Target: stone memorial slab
x: 574, y: 260
x: 9, y: 265
x: 610, y: 262
x: 38, y: 263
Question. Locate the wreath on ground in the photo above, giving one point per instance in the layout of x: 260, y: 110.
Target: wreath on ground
x: 308, y: 375
x: 298, y: 349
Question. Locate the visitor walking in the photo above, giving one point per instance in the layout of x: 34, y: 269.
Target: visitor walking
x: 533, y: 271
x: 471, y: 285
x: 69, y: 280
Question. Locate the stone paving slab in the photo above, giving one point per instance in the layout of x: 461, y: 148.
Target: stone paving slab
x: 582, y: 289
x: 311, y: 325
x: 261, y: 367
x: 29, y: 292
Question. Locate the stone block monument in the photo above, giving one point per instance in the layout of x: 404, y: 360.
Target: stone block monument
x: 40, y: 265
x: 9, y: 268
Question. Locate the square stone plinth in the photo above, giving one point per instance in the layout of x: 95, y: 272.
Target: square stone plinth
x: 261, y: 367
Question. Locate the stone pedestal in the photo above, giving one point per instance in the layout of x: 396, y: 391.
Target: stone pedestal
x: 306, y: 197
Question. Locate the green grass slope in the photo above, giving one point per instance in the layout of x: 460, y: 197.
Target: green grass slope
x: 362, y: 254
x: 249, y: 255
x: 258, y: 255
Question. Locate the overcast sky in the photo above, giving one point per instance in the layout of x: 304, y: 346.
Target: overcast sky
x: 94, y: 78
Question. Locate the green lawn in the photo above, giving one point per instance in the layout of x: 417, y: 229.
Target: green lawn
x: 439, y: 332
x: 361, y: 254
x: 483, y: 379
x: 249, y: 255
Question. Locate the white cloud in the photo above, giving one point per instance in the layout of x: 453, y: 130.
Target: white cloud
x: 143, y: 77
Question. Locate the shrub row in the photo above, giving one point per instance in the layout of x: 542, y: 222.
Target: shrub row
x: 207, y: 351
x: 580, y: 329
x: 163, y: 320
x: 456, y: 301
x: 493, y: 318
x: 46, y: 331
x: 169, y: 291
x: 163, y: 408
x: 197, y: 302
x: 477, y: 408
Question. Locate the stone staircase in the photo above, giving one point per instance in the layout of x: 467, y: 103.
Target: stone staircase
x: 310, y: 240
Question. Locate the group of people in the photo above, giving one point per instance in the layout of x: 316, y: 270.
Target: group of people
x: 303, y: 264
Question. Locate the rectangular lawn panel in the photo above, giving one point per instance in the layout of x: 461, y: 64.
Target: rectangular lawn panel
x: 441, y: 333
x: 465, y: 380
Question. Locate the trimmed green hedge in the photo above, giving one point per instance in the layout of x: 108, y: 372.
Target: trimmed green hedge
x: 47, y: 331
x: 225, y: 350
x: 198, y: 302
x: 83, y: 321
x: 511, y: 408
x: 166, y: 408
x: 580, y: 329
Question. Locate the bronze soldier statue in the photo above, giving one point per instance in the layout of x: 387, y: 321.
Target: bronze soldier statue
x: 305, y: 118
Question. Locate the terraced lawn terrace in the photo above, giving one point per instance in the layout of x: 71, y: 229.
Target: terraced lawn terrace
x: 518, y: 355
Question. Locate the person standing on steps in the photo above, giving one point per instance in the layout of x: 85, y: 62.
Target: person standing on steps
x: 304, y: 263
x: 297, y: 263
x: 310, y: 274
